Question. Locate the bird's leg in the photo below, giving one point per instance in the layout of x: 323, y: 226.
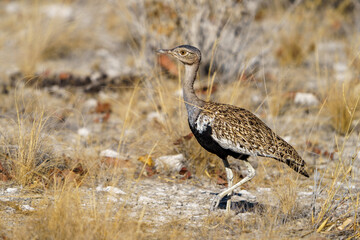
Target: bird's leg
x: 218, y: 198
x: 230, y: 178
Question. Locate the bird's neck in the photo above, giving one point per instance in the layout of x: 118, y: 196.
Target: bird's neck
x: 192, y: 102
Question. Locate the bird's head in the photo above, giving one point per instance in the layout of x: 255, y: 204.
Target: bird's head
x: 185, y: 53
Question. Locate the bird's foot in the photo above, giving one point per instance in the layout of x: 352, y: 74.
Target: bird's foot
x: 215, y: 203
x: 217, y: 200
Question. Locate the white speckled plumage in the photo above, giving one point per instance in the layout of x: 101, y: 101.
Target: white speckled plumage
x: 203, y: 122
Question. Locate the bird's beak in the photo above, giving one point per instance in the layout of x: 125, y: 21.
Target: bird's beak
x: 163, y: 51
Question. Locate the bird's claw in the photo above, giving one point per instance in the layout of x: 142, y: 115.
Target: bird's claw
x: 215, y: 203
x: 217, y: 200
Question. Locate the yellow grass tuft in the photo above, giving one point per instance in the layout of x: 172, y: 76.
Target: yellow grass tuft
x: 30, y: 156
x: 343, y: 105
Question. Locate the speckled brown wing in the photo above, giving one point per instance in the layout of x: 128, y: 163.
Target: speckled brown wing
x: 241, y: 131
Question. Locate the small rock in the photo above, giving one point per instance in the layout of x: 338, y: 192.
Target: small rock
x: 90, y: 104
x: 109, y: 153
x: 27, y: 208
x: 252, y: 6
x: 57, y: 11
x: 11, y: 190
x: 109, y: 64
x: 256, y: 98
x: 305, y: 193
x: 12, y: 7
x: 306, y: 99
x: 264, y: 189
x: 110, y: 189
x: 179, y: 93
x: 114, y: 190
x: 129, y: 132
x: 83, y: 132
x: 95, y: 76
x: 170, y: 163
x: 247, y: 195
x: 160, y: 117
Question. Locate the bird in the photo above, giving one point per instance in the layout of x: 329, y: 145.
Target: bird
x: 226, y: 130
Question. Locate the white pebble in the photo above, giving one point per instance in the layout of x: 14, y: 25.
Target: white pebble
x: 264, y: 189
x: 114, y: 190
x: 11, y: 190
x: 27, y: 208
x: 246, y: 193
x: 57, y: 10
x: 306, y: 99
x: 178, y: 93
x: 90, y: 104
x: 109, y: 153
x: 12, y: 7
x: 305, y: 193
x: 84, y: 132
x: 110, y: 189
x: 95, y: 76
x: 256, y: 98
x: 172, y: 163
x: 160, y: 117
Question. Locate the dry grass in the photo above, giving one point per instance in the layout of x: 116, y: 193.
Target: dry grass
x: 42, y: 34
x: 70, y: 216
x: 295, y: 42
x: 39, y: 130
x: 343, y: 105
x: 26, y: 148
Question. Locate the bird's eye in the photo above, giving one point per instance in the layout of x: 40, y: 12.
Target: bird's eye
x: 182, y: 52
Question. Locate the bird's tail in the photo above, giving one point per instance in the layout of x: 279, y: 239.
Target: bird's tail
x: 287, y: 154
x: 298, y: 166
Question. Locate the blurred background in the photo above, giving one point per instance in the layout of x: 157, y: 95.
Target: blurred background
x: 119, y: 37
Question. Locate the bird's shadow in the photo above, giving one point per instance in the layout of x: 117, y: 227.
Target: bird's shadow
x: 240, y: 206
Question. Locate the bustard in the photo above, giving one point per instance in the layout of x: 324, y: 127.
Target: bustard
x: 227, y: 130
